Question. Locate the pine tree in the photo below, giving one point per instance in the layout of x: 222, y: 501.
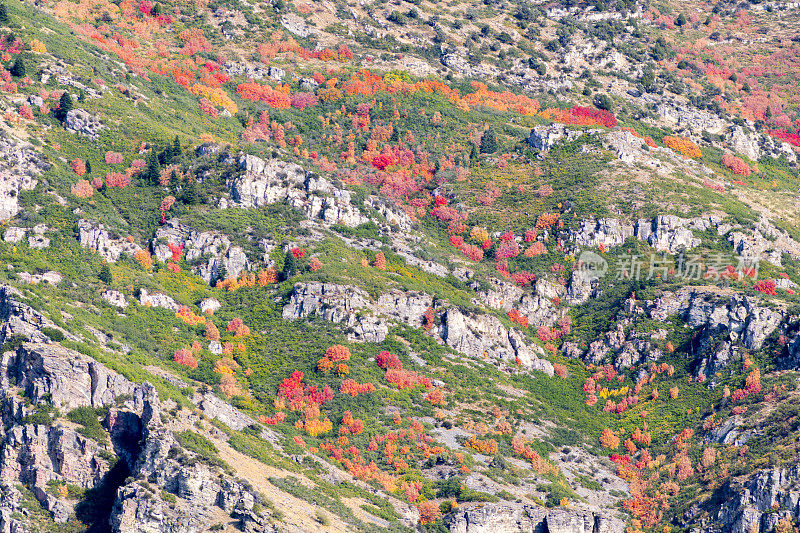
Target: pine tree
x: 681, y: 20
x: 18, y: 68
x: 64, y: 107
x: 488, y: 141
x: 289, y: 266
x: 473, y: 154
x: 3, y: 14
x: 153, y: 169
x: 176, y: 147
x: 190, y: 196
x: 88, y: 167
x: 105, y: 275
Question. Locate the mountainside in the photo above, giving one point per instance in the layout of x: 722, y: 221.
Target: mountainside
x: 399, y: 266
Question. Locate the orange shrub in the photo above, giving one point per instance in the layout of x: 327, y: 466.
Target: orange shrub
x: 683, y: 146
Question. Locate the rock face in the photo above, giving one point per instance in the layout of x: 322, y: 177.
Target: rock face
x: 210, y: 252
x: 750, y: 507
x: 667, y: 233
x: 157, y: 299
x: 96, y: 237
x: 543, y: 138
x: 477, y: 335
x: 267, y: 182
x: 115, y: 298
x: 20, y: 165
x: 723, y: 322
x: 82, y: 122
x: 537, y: 305
x: 38, y: 455
x: 608, y: 232
x: 516, y: 518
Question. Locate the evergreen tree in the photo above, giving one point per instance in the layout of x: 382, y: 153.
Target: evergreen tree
x: 176, y: 147
x: 190, y: 195
x: 105, y: 274
x: 473, y: 154
x: 88, y: 167
x: 289, y: 266
x: 153, y: 168
x: 488, y: 142
x: 681, y: 20
x: 64, y: 106
x: 3, y: 14
x: 18, y: 68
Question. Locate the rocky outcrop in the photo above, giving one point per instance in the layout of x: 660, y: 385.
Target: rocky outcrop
x: 473, y: 335
x: 744, y: 142
x: 667, y: 233
x: 211, y: 252
x: 543, y: 138
x: 198, y: 487
x: 722, y: 322
x: 82, y: 122
x: 210, y: 306
x: 43, y: 456
x: 267, y: 182
x: 739, y: 318
x: 115, y: 298
x: 341, y: 304
x: 536, y: 305
x: 752, y: 507
x: 214, y: 407
x: 517, y: 518
x: 607, y: 232
x: 96, y: 237
x: 157, y: 299
x: 66, y: 378
x: 484, y: 336
x: 20, y: 166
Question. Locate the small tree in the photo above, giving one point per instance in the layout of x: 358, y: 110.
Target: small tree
x: 3, y: 14
x: 64, y: 107
x: 602, y: 101
x: 289, y: 266
x: 153, y: 169
x: 681, y: 20
x: 105, y: 274
x: 190, y: 195
x: 18, y: 68
x: 488, y: 141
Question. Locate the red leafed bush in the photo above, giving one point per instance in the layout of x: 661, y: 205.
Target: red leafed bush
x: 406, y: 379
x: 298, y: 253
x: 767, y: 286
x: 78, y: 167
x: 113, y: 158
x: 354, y: 388
x: 384, y: 160
x: 473, y: 252
x: 535, y: 249
x: 26, y: 112
x: 117, y: 179
x: 507, y: 249
x: 185, y: 357
x: 303, y: 100
x: 337, y: 353
x: 388, y: 360
x: 523, y: 277
x: 736, y: 165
